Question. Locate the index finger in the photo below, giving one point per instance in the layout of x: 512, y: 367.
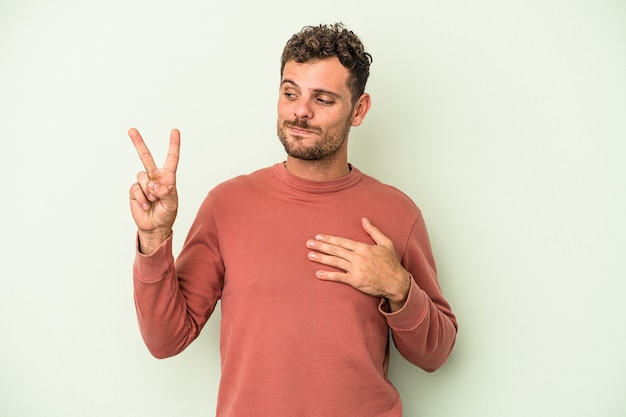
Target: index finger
x: 340, y: 242
x: 143, y: 151
x: 171, y: 162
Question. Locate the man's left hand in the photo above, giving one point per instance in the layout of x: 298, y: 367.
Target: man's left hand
x: 371, y: 269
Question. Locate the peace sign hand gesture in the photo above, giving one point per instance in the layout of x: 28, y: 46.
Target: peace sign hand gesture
x: 153, y: 198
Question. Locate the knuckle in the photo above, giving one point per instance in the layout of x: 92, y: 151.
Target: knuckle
x: 332, y: 250
x: 135, y: 190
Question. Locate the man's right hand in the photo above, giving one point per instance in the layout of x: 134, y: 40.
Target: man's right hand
x: 153, y: 198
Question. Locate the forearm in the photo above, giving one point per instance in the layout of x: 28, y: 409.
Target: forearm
x: 161, y: 308
x: 424, y: 331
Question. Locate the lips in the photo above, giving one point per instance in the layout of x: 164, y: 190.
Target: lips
x: 300, y: 132
x: 299, y: 128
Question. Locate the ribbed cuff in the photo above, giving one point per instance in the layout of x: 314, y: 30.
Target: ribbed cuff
x: 412, y: 312
x: 152, y: 268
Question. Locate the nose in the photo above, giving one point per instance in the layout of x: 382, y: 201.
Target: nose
x: 303, y: 110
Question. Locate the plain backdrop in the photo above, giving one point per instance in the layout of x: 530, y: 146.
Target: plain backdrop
x: 504, y: 120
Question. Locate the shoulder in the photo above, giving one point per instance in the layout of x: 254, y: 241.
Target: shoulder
x: 242, y: 183
x: 235, y: 191
x: 391, y: 196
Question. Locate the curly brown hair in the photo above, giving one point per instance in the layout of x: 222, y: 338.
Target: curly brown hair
x: 327, y: 41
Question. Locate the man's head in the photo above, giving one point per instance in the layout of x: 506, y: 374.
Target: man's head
x: 327, y: 41
x: 323, y: 75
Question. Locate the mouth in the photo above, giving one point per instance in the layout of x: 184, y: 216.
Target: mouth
x: 298, y: 130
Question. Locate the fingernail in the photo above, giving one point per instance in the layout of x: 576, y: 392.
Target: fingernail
x: 310, y: 243
x: 312, y: 255
x: 146, y: 206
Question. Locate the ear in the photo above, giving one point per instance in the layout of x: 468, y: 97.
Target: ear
x: 361, y: 108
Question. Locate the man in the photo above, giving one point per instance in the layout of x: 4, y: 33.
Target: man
x: 314, y: 262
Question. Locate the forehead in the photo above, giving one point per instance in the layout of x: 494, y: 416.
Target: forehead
x: 328, y: 74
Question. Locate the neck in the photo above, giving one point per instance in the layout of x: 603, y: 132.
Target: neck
x: 324, y: 170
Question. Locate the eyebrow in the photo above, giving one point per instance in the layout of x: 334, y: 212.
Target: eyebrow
x: 317, y: 90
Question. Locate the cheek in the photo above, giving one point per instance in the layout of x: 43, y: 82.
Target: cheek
x: 281, y: 104
x: 340, y: 122
x: 284, y: 112
x: 280, y: 112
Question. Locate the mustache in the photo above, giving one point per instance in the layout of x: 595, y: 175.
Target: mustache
x: 302, y: 124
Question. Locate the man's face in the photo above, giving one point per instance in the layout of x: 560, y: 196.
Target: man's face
x: 314, y: 109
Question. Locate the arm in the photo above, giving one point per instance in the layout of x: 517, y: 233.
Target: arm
x: 424, y: 330
x: 174, y: 300
x: 422, y: 323
x: 166, y: 321
x: 160, y: 307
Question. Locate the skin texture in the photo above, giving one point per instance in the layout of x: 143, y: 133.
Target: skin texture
x: 315, y: 114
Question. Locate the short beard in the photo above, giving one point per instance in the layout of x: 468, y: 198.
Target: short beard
x: 324, y: 149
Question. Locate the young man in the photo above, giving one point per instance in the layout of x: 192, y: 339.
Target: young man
x: 315, y: 262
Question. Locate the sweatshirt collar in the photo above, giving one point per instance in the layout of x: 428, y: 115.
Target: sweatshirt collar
x: 317, y: 187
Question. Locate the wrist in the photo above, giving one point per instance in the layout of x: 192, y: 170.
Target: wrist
x: 401, y: 294
x: 149, y: 241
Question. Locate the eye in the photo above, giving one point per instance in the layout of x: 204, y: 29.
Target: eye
x: 289, y: 95
x: 325, y: 101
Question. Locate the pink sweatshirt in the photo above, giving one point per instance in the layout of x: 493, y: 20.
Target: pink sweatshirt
x: 293, y: 345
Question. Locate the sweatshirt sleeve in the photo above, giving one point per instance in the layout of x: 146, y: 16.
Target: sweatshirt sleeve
x: 174, y: 300
x: 424, y: 329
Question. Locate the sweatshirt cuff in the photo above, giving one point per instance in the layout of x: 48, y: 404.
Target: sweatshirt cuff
x: 152, y: 268
x: 412, y: 312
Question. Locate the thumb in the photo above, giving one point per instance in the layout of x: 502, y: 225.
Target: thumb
x: 374, y: 232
